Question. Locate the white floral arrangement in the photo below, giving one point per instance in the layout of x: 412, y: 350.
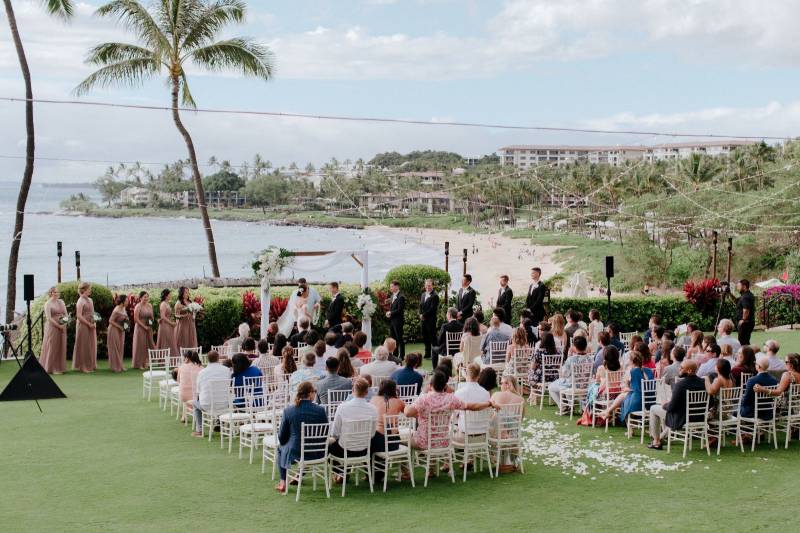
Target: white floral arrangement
x: 64, y: 320
x: 126, y: 325
x: 96, y: 317
x: 194, y: 308
x: 366, y: 306
x: 271, y: 262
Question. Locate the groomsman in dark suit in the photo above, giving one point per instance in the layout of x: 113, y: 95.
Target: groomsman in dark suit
x: 504, y: 297
x: 536, y: 292
x: 333, y: 317
x: 465, y: 300
x: 428, y: 309
x: 396, y: 316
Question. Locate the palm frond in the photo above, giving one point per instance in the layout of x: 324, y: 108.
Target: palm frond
x: 238, y: 54
x: 131, y: 72
x: 186, y: 96
x: 134, y: 16
x: 108, y: 53
x: 210, y: 19
x: 62, y: 9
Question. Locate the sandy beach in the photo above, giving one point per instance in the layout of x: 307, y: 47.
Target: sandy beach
x: 488, y: 257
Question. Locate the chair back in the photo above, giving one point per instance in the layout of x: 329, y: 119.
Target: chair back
x: 254, y: 389
x: 407, y: 393
x: 296, y: 355
x: 613, y: 383
x: 219, y: 392
x: 314, y: 441
x: 625, y: 337
x: 744, y: 378
x: 158, y: 360
x: 508, y: 421
x: 199, y: 350
x: 765, y: 404
x: 521, y: 361
x: 174, y: 362
x: 550, y: 366
x: 650, y: 392
x: 439, y: 429
x: 377, y: 381
x: 335, y: 397
x: 356, y: 434
x: 581, y: 376
x: 793, y: 401
x: 453, y: 342
x: 728, y: 402
x: 477, y: 422
x: 696, y: 407
x: 472, y: 348
x: 391, y: 430
x: 497, y: 352
x: 330, y: 410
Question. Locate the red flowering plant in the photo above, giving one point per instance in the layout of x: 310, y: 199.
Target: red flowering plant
x: 384, y: 300
x: 703, y: 295
x: 276, y: 308
x: 251, y: 308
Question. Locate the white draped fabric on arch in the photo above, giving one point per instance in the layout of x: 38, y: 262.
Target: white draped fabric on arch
x: 310, y: 262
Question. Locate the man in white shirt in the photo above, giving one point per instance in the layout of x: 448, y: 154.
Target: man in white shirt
x: 330, y: 345
x: 494, y: 334
x: 771, y: 348
x: 724, y: 330
x: 710, y: 365
x: 354, y: 409
x: 470, y: 393
x: 504, y: 326
x: 214, y: 380
x: 381, y: 366
x: 307, y: 373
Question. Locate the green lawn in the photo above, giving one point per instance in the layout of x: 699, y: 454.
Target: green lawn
x: 105, y: 460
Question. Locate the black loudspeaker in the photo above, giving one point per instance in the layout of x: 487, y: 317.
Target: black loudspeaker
x: 29, y: 295
x: 609, y: 266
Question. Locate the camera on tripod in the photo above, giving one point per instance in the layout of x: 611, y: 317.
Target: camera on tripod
x: 724, y: 288
x: 4, y: 328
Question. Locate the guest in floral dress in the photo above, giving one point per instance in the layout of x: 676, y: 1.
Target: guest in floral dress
x: 546, y: 346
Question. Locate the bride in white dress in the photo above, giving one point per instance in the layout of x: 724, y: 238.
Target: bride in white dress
x: 303, y: 302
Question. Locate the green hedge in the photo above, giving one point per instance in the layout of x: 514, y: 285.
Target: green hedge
x: 632, y: 313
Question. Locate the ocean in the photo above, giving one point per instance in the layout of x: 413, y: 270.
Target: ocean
x: 120, y: 251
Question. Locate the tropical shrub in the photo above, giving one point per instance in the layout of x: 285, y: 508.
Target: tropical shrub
x: 703, y: 294
x: 782, y: 304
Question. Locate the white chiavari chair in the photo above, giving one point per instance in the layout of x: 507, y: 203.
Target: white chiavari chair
x: 199, y: 350
x: 497, y: 356
x: 724, y: 422
x: 579, y: 385
x: 790, y: 421
x: 473, y: 442
x: 625, y: 337
x: 505, y: 435
x: 407, y: 393
x: 439, y: 448
x: 313, y: 459
x: 335, y: 397
x: 452, y: 343
x: 762, y: 421
x: 397, y: 451
x: 696, y: 426
x: 219, y: 392
x: 168, y: 388
x: 640, y: 418
x: 538, y: 391
x: 606, y: 397
x: 230, y: 421
x: 158, y: 366
x: 356, y: 436
x: 270, y: 442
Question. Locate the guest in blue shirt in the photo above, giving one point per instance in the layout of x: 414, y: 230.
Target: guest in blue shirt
x: 604, y: 340
x: 242, y: 368
x: 408, y: 375
x: 763, y: 378
x: 613, y: 330
x: 290, y: 435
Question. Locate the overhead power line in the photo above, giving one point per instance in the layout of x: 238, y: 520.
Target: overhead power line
x: 350, y: 118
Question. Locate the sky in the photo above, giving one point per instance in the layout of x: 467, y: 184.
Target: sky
x: 725, y: 67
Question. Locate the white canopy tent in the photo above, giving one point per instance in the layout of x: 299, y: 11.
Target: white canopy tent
x: 319, y: 262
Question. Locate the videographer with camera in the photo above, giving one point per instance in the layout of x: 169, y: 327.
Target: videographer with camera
x: 745, y: 312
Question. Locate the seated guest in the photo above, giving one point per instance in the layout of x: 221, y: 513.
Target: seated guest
x: 330, y: 345
x: 712, y: 353
x: 360, y: 340
x: 452, y: 325
x: 287, y: 366
x: 481, y: 319
x: 471, y: 392
x: 603, y: 340
x: 670, y: 373
x: 346, y: 336
x: 695, y: 349
x: 706, y: 352
x: 526, y: 322
x: 572, y: 323
x: 647, y: 355
x: 386, y: 402
x: 307, y: 372
x: 788, y: 378
x: 519, y: 341
x: 655, y: 321
x: 332, y: 380
x: 508, y: 393
x: 346, y: 369
x: 724, y: 337
x: 726, y: 352
x: 303, y: 327
x: 272, y: 332
x: 249, y: 346
x: 187, y: 375
x: 672, y: 414
x: 355, y: 409
x: 656, y: 339
x: 578, y: 356
x: 265, y: 360
x: 719, y: 379
x: 312, y: 337
x: 745, y: 363
x: 280, y: 343
x: 500, y: 314
x: 494, y: 334
x: 235, y: 343
x: 685, y: 338
x: 488, y: 378
x: 630, y: 399
x: 600, y: 383
x: 616, y: 342
x: 391, y: 345
x: 242, y: 368
x: 470, y: 345
x: 438, y: 400
x: 304, y: 411
x: 320, y: 349
x: 663, y: 358
x: 764, y: 378
x: 408, y: 375
x: 771, y: 348
x: 546, y: 346
x: 204, y: 389
x: 352, y: 349
x: 381, y: 367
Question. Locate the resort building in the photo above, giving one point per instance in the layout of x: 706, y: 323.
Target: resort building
x: 670, y: 151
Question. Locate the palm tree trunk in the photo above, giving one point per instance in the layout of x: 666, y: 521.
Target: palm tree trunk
x: 198, y: 181
x: 27, y: 175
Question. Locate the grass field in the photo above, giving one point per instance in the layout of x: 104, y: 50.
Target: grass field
x: 105, y: 460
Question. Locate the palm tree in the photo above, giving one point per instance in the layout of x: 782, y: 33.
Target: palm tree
x: 174, y: 34
x: 61, y: 9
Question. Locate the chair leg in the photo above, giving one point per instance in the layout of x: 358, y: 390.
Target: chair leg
x: 299, y: 483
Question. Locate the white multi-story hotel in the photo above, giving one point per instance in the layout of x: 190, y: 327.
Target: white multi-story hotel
x: 525, y: 156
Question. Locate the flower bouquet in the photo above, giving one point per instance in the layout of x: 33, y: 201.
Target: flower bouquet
x: 151, y: 323
x: 271, y: 262
x: 64, y: 320
x: 126, y: 325
x: 366, y: 306
x: 96, y: 317
x: 194, y: 308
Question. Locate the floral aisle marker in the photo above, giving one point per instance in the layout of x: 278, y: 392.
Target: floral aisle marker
x: 543, y: 442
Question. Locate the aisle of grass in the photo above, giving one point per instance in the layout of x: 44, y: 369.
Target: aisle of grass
x: 105, y: 460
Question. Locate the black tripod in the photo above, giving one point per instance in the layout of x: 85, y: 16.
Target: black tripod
x: 22, y: 372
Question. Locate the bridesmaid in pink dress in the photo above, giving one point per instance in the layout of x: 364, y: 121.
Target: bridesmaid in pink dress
x: 142, y: 331
x: 166, y: 326
x: 84, y: 354
x: 116, y: 334
x: 54, y: 345
x: 185, y: 333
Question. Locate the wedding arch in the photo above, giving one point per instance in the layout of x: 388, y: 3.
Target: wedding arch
x: 272, y: 261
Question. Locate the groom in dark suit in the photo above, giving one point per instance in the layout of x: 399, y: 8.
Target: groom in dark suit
x: 396, y: 316
x: 504, y: 297
x: 333, y: 317
x: 535, y: 298
x: 428, y: 309
x: 465, y: 300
